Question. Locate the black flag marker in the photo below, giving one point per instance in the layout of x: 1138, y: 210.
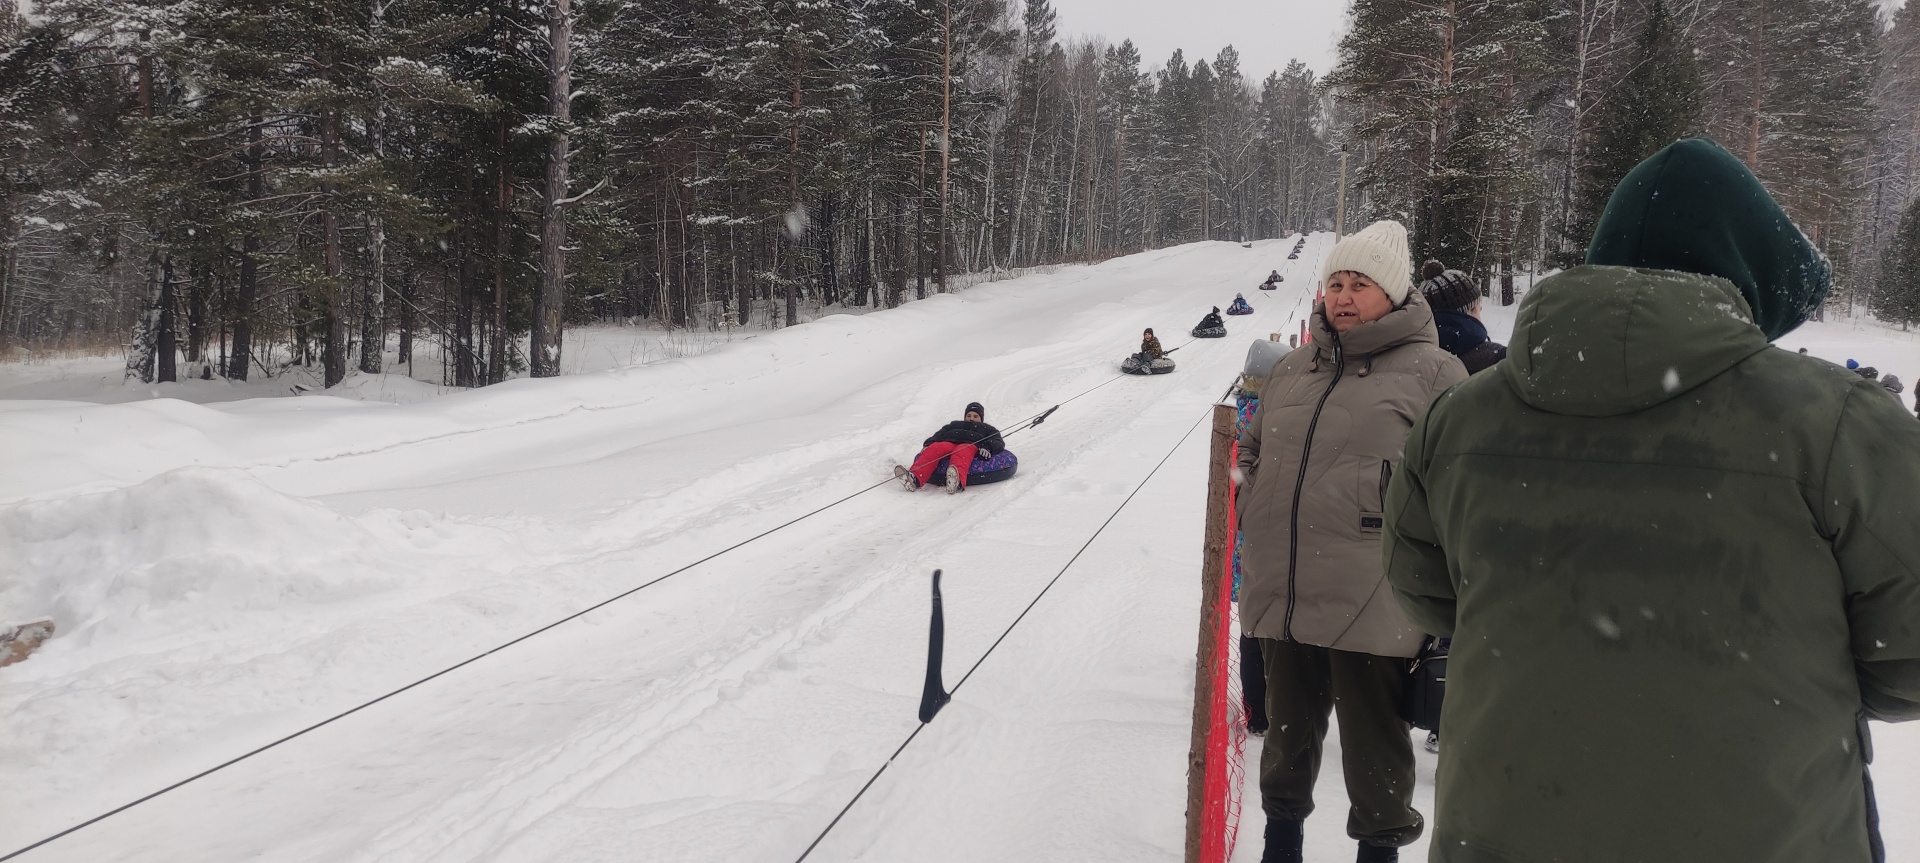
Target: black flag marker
x: 934, y: 696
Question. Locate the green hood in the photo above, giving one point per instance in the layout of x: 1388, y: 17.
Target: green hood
x: 1606, y: 341
x: 1695, y: 208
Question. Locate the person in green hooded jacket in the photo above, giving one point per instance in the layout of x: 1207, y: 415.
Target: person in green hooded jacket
x: 1680, y: 566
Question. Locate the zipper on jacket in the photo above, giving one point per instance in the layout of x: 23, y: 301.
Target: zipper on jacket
x: 1300, y: 483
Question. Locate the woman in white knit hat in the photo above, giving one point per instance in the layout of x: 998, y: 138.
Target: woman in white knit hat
x: 1314, y: 464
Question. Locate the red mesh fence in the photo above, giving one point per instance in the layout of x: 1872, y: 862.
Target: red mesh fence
x: 1226, y: 731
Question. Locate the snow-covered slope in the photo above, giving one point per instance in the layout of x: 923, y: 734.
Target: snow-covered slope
x: 225, y: 574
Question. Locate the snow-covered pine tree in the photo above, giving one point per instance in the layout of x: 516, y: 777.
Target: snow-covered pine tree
x: 1123, y: 96
x: 1896, y: 294
x: 1294, y: 154
x: 322, y: 171
x: 1655, y: 102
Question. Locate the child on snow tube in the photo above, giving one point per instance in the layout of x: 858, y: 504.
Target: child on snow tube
x: 953, y: 450
x: 1150, y: 360
x: 1211, y: 326
x: 1239, y: 306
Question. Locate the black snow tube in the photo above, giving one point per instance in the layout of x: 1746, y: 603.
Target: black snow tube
x: 1239, y: 309
x: 1001, y: 467
x: 1209, y: 332
x: 1140, y: 365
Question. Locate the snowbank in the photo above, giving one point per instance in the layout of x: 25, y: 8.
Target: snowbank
x: 191, y: 549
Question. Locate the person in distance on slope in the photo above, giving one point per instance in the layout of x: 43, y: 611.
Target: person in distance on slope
x: 959, y: 442
x: 1456, y: 315
x: 1212, y: 319
x: 1314, y: 463
x: 1272, y: 278
x: 1150, y: 346
x: 1678, y: 564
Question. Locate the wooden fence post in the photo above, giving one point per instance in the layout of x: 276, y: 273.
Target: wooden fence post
x: 1213, y: 562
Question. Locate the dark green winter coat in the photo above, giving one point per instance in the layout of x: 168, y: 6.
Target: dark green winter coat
x: 1677, y: 564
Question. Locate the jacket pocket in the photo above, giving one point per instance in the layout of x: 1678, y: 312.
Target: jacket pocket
x: 1373, y: 495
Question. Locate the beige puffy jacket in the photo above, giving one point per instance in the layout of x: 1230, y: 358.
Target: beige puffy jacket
x: 1311, y: 552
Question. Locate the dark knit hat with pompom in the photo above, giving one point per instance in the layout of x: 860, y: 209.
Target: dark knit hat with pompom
x: 1446, y: 290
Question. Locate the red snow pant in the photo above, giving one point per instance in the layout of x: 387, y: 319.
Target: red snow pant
x: 959, y: 457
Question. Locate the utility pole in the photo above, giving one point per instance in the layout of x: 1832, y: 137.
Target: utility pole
x: 1340, y: 203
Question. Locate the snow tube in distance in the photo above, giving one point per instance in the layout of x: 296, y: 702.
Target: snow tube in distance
x: 1001, y: 467
x: 1209, y: 332
x: 1238, y: 309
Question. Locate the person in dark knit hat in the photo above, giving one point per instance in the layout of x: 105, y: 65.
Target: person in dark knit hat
x: 1678, y: 563
x: 958, y: 443
x: 1456, y: 315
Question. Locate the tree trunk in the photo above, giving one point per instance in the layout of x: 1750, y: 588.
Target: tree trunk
x: 335, y: 357
x: 920, y: 225
x: 195, y: 349
x: 241, y: 364
x: 549, y: 309
x: 373, y: 300
x: 165, y: 342
x: 796, y: 219
x: 405, y: 354
x: 946, y: 141
x: 503, y: 215
x: 461, y: 346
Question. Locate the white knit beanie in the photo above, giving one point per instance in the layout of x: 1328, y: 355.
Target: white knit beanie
x: 1379, y: 252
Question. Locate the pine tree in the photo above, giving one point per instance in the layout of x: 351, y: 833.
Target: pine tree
x: 1124, y: 91
x: 1656, y: 102
x: 1896, y: 296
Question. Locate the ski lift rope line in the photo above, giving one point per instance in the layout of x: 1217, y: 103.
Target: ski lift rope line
x: 1003, y: 635
x: 1018, y: 427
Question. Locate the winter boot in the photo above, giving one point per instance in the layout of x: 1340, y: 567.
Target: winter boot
x: 953, y: 479
x: 1433, y: 742
x: 1284, y: 841
x: 906, y: 478
x: 1377, y: 854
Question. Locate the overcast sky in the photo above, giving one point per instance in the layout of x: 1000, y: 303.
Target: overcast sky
x: 1267, y: 33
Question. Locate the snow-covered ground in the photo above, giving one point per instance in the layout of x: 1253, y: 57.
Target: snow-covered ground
x: 224, y: 574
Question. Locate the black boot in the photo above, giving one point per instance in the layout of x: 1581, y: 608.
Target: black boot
x: 1377, y: 854
x: 1284, y: 839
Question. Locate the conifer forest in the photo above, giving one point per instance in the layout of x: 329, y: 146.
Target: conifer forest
x: 228, y: 187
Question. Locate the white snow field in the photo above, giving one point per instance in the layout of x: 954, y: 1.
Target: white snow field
x: 225, y: 574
